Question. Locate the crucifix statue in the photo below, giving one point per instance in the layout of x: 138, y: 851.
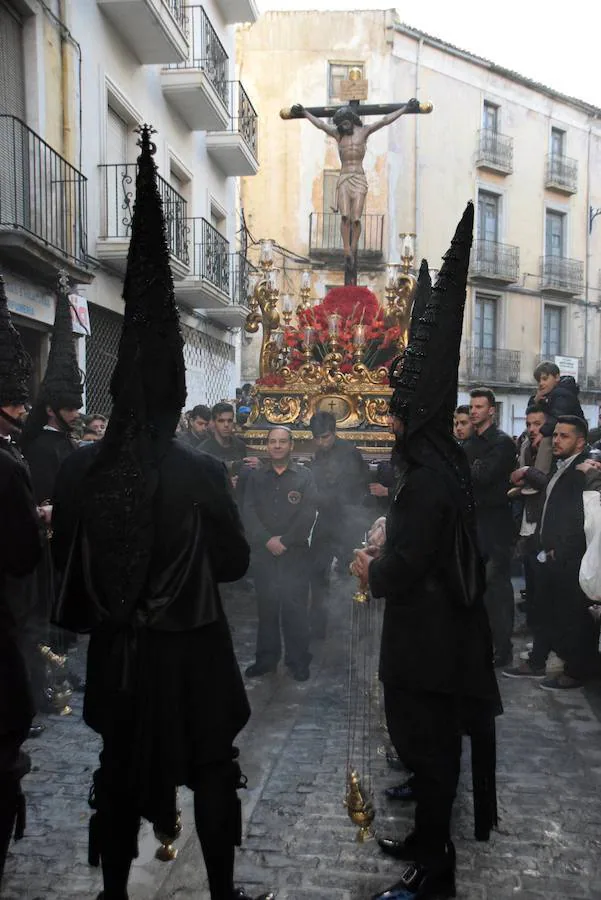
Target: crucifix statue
x: 351, y: 135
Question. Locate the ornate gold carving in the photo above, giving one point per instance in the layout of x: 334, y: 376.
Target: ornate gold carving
x: 281, y: 410
x: 376, y: 411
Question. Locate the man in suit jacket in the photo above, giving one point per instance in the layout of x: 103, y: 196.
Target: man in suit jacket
x: 566, y: 626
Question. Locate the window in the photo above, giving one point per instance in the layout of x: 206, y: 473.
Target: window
x: 485, y: 322
x: 218, y: 220
x: 552, y: 331
x: 555, y: 227
x: 490, y: 116
x: 12, y: 68
x: 557, y: 142
x: 488, y: 216
x: 338, y: 72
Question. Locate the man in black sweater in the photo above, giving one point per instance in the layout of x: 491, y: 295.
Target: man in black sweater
x: 279, y: 512
x: 492, y: 455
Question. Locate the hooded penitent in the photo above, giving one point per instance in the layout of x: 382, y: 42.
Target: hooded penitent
x: 424, y: 382
x: 148, y: 390
x: 15, y: 362
x: 62, y: 385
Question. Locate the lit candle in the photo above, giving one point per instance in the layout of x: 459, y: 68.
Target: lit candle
x: 333, y: 324
x: 253, y: 280
x: 272, y: 279
x: 390, y: 276
x: 308, y: 336
x: 305, y: 280
x: 278, y: 338
x: 266, y: 255
x: 287, y: 304
x: 359, y: 335
x: 408, y: 245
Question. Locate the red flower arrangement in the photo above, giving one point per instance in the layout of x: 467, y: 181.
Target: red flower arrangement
x: 354, y: 306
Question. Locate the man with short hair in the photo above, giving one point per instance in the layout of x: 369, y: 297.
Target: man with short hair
x: 491, y: 454
x: 462, y: 426
x: 341, y: 478
x: 564, y: 625
x: 224, y: 444
x: 279, y: 512
x: 198, y: 421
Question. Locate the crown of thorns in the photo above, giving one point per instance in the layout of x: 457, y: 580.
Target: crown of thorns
x: 346, y: 112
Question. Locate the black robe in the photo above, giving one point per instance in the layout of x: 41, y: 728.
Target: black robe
x: 171, y: 672
x: 45, y: 455
x: 430, y: 642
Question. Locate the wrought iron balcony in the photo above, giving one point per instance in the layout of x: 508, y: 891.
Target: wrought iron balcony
x: 492, y: 366
x: 209, y: 254
x: 207, y: 53
x: 241, y: 269
x: 561, y: 275
x: 495, y: 262
x: 43, y: 198
x: 495, y: 151
x: 118, y: 185
x: 561, y: 174
x: 235, y: 150
x: 325, y: 238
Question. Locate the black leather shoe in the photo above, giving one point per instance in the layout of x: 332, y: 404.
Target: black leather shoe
x: 258, y: 669
x: 399, y: 849
x: 301, y: 674
x: 36, y: 730
x: 420, y: 883
x: 404, y: 792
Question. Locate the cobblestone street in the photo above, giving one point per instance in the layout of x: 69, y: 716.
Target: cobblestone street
x: 298, y: 838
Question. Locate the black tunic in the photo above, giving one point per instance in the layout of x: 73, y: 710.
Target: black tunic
x: 173, y: 667
x: 429, y: 641
x: 45, y: 455
x: 19, y: 554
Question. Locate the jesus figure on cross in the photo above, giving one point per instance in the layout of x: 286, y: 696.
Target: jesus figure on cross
x: 351, y: 135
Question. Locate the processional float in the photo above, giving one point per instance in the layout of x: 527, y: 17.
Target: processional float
x: 333, y: 355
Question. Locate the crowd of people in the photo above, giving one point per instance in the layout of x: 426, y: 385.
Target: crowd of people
x: 117, y: 530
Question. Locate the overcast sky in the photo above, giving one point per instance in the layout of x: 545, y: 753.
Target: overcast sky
x: 556, y: 43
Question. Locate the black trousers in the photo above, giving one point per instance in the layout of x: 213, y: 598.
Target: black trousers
x: 425, y: 731
x: 14, y: 764
x: 282, y: 587
x: 116, y: 821
x: 562, y: 621
x: 498, y: 597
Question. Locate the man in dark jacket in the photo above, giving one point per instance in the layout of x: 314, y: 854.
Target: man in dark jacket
x: 279, y: 512
x: 563, y: 623
x: 144, y: 528
x: 197, y: 431
x: 492, y: 454
x: 436, y: 654
x: 341, y: 478
x: 19, y: 553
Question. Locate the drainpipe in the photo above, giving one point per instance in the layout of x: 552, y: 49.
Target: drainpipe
x: 587, y: 261
x: 67, y: 86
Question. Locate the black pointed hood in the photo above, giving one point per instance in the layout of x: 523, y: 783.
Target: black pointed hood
x: 148, y: 389
x: 425, y: 377
x: 62, y: 385
x: 15, y: 363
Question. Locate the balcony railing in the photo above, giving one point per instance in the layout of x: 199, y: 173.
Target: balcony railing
x: 244, y: 116
x: 492, y: 366
x: 40, y: 192
x: 489, y: 259
x: 325, y: 237
x: 495, y: 150
x: 240, y: 268
x: 177, y: 8
x: 118, y: 188
x: 562, y: 173
x: 209, y: 254
x: 561, y: 274
x: 206, y: 53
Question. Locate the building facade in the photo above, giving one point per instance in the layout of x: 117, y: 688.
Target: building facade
x: 76, y: 78
x: 529, y: 157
